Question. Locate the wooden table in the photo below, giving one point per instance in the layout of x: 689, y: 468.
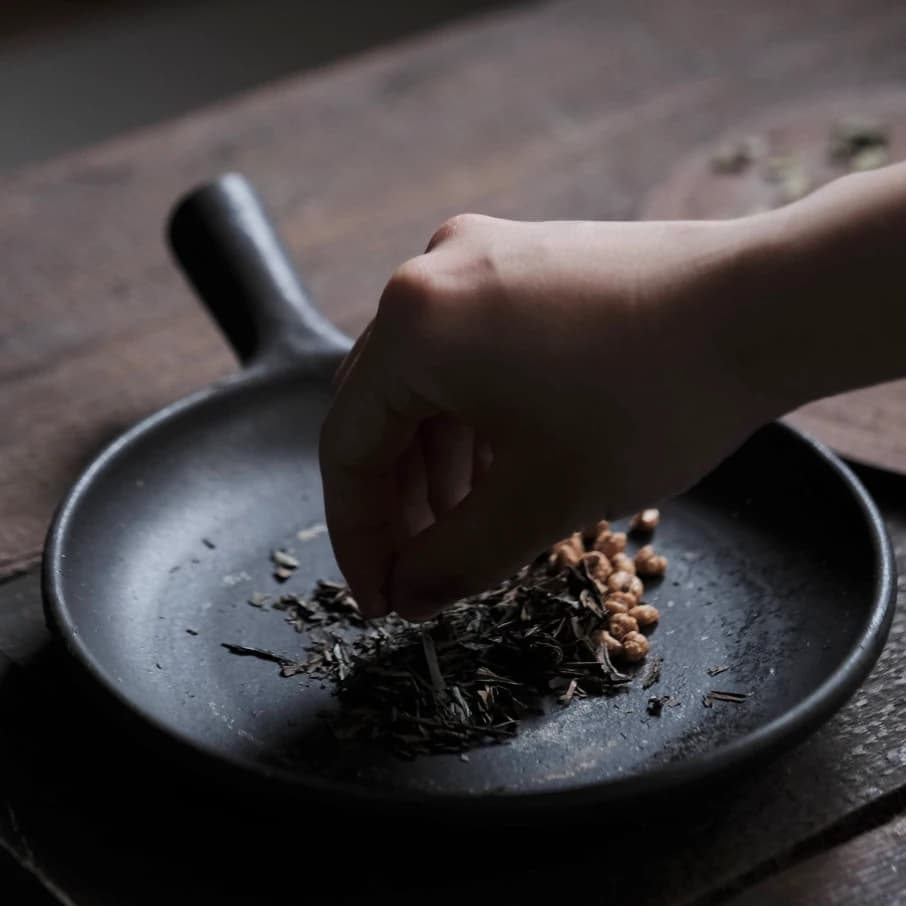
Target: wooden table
x: 561, y: 110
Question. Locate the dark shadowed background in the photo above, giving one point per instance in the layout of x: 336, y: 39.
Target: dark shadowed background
x: 74, y: 72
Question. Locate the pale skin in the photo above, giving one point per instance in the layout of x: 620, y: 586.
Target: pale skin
x: 522, y: 379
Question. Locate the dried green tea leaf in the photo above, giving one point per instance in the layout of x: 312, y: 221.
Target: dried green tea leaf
x: 465, y: 679
x: 285, y: 564
x: 313, y: 531
x: 284, y: 558
x: 653, y: 673
x: 734, y: 697
x: 265, y: 655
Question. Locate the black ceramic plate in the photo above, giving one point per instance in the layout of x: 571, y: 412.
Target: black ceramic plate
x: 781, y: 577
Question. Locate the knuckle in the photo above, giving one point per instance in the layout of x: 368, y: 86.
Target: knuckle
x: 414, y: 289
x: 455, y: 226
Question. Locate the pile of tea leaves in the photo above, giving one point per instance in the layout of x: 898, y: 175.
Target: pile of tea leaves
x: 463, y: 680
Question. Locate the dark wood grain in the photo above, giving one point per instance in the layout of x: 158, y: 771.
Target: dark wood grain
x: 561, y: 110
x: 869, y: 425
x: 22, y: 628
x: 23, y: 19
x: 868, y: 869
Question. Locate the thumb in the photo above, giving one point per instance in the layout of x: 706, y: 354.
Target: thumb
x: 486, y: 537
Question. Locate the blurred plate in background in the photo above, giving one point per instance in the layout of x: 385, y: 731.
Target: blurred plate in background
x: 768, y: 161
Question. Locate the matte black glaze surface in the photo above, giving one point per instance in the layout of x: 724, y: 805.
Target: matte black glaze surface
x: 780, y: 568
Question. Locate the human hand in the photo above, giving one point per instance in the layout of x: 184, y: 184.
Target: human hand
x: 522, y: 379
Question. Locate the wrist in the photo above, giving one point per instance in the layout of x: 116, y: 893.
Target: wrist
x: 752, y: 346
x: 767, y: 333
x: 823, y: 307
x: 812, y: 283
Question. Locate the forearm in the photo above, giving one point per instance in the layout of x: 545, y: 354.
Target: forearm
x: 824, y: 291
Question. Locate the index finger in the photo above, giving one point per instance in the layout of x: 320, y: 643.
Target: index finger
x: 371, y: 423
